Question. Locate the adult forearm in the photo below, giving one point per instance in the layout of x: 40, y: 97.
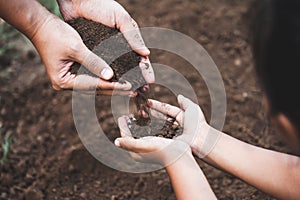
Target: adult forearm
x: 274, y: 173
x: 25, y: 15
x: 188, y: 179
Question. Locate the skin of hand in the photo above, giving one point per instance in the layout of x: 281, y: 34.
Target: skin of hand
x: 272, y: 172
x: 149, y: 149
x: 187, y: 178
x: 194, y: 134
x: 60, y: 48
x: 186, y: 115
x: 112, y: 14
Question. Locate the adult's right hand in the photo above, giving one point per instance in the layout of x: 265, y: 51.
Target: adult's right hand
x: 59, y: 46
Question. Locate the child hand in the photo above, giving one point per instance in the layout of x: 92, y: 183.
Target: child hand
x: 150, y: 149
x: 197, y: 132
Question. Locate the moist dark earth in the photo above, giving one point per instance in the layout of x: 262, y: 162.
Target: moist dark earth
x: 47, y: 159
x: 112, y: 47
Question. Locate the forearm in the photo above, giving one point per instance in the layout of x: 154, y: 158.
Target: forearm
x: 274, y: 173
x: 25, y: 15
x: 188, y: 179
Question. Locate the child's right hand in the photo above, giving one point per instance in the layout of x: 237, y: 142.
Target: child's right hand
x: 191, y: 117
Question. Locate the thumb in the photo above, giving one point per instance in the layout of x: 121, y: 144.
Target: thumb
x: 94, y: 63
x: 184, y: 102
x: 126, y: 143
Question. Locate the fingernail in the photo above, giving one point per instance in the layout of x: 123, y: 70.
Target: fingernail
x: 149, y: 103
x: 147, y: 51
x: 107, y: 73
x: 117, y: 143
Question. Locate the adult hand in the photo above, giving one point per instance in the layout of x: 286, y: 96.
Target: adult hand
x: 112, y: 14
x: 59, y: 46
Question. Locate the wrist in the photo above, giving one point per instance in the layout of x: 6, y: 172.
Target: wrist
x: 42, y: 32
x: 174, y: 152
x: 183, y: 158
x: 205, y: 141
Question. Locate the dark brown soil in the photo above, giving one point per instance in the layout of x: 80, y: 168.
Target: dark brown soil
x: 47, y: 159
x: 112, y: 47
x: 154, y: 127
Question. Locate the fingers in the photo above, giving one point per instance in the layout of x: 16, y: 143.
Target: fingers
x: 93, y: 63
x: 147, y: 70
x: 87, y: 82
x: 142, y: 145
x: 164, y: 108
x: 122, y: 123
x: 131, y: 31
x: 158, y: 114
x: 127, y: 143
x: 185, y: 102
x: 116, y: 93
x: 192, y: 115
x: 108, y: 93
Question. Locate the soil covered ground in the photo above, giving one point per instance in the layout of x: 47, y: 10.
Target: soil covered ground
x: 47, y: 159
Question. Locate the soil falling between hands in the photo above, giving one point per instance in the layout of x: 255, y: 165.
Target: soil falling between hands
x: 113, y: 48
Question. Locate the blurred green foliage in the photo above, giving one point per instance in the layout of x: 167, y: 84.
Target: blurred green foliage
x: 6, y: 34
x: 5, y: 144
x: 51, y: 5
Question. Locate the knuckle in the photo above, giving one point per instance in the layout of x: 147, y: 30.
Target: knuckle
x: 75, y: 48
x: 56, y: 87
x: 55, y: 84
x: 59, y: 84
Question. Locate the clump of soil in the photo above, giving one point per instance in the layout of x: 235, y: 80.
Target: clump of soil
x: 160, y: 128
x: 111, y: 46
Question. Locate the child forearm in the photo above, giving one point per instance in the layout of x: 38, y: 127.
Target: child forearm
x: 274, y: 173
x: 26, y: 15
x: 188, y: 180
